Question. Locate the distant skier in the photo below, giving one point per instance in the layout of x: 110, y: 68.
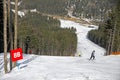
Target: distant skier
x: 92, y: 55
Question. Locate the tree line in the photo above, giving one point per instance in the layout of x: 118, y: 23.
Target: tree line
x: 56, y: 7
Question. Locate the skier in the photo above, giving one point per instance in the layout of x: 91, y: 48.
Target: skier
x: 92, y: 55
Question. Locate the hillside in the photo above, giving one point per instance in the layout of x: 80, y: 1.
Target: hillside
x: 93, y: 9
x: 56, y: 7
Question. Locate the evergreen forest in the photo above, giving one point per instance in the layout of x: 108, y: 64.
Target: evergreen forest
x: 46, y: 36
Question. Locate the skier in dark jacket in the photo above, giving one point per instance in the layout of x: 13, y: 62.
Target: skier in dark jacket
x: 92, y: 55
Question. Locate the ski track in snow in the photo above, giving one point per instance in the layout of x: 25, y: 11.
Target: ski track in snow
x: 69, y: 68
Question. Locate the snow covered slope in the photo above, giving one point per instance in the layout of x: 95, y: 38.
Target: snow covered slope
x: 67, y: 68
x: 35, y: 67
x: 85, y: 46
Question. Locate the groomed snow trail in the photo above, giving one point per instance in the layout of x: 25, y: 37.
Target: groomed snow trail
x: 85, y: 46
x: 69, y: 68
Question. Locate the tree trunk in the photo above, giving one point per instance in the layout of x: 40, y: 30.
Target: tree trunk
x: 109, y: 42
x: 5, y: 35
x: 10, y: 31
x: 15, y: 26
x: 114, y: 32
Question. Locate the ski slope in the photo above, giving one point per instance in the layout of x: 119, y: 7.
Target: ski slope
x: 85, y: 46
x: 34, y: 67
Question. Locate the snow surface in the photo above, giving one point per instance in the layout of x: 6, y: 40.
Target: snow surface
x: 34, y: 67
x: 33, y: 10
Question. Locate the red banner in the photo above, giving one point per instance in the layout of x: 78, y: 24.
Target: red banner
x: 16, y: 54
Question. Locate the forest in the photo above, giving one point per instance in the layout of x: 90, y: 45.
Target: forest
x: 92, y: 9
x: 46, y: 36
x: 55, y: 7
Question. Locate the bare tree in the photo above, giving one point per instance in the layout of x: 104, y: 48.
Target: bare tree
x: 10, y: 31
x: 5, y: 35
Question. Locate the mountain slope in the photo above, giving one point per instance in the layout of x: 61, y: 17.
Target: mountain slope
x: 84, y: 45
x: 68, y: 68
x: 94, y: 9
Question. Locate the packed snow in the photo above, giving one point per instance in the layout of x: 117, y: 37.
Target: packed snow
x: 34, y: 67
